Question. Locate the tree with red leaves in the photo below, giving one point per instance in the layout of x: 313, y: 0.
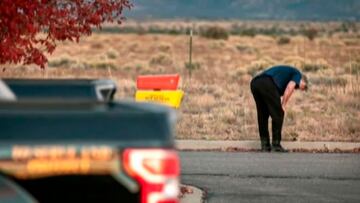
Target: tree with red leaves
x: 30, y: 28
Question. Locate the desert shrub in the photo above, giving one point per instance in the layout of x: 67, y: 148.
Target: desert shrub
x: 61, y: 62
x: 238, y: 73
x: 328, y: 81
x: 205, y: 101
x: 228, y: 117
x: 260, y: 65
x: 177, y: 30
x: 133, y: 47
x: 283, y: 40
x: 140, y: 30
x: 348, y: 26
x: 164, y: 47
x: 218, y: 44
x: 154, y: 29
x: 350, y: 103
x: 97, y: 45
x: 161, y: 59
x: 246, y: 49
x: 192, y: 67
x: 292, y: 135
x: 352, y: 125
x: 351, y: 42
x: 290, y: 117
x: 112, y: 54
x: 134, y: 66
x: 310, y: 33
x: 138, y: 67
x: 273, y: 31
x: 123, y: 29
x: 174, y: 31
x: 250, y: 32
x: 100, y: 65
x: 296, y: 61
x: 235, y: 29
x: 314, y: 67
x: 109, y: 29
x: 254, y: 70
x: 246, y: 30
x: 353, y: 67
x: 214, y: 32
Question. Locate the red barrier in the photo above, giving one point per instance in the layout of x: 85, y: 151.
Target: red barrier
x: 157, y: 82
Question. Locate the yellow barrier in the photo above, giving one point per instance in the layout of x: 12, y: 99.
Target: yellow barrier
x: 170, y: 98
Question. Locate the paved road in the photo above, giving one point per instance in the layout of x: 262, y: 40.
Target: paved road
x: 273, y: 177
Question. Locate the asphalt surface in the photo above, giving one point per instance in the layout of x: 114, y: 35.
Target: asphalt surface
x: 273, y: 177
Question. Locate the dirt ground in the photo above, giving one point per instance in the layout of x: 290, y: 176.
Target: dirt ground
x: 218, y: 103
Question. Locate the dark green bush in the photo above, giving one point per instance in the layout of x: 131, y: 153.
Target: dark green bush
x: 250, y: 32
x: 192, y: 67
x: 310, y: 33
x: 283, y: 40
x: 214, y: 32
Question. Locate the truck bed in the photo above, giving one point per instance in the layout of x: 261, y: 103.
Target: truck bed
x: 113, y: 123
x: 60, y: 89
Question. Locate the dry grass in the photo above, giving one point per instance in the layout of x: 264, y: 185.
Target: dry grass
x: 218, y: 103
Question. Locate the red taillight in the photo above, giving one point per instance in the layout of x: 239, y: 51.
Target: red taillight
x: 157, y: 171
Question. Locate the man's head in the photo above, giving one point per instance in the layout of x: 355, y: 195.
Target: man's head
x: 304, y: 83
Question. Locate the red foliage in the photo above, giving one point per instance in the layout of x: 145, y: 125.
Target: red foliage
x: 29, y: 28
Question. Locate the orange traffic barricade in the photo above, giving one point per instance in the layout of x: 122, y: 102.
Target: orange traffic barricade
x: 158, y: 82
x: 160, y: 89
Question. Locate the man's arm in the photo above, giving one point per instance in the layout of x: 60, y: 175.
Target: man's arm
x: 287, y: 94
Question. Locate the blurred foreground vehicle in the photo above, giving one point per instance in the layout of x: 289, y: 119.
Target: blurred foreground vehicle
x: 87, y: 151
x: 69, y: 89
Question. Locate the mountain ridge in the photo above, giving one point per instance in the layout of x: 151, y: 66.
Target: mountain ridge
x: 247, y: 9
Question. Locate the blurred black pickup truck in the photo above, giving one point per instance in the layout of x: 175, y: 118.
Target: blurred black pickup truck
x: 87, y: 151
x: 61, y: 89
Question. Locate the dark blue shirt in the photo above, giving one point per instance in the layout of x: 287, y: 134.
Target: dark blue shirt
x: 282, y: 75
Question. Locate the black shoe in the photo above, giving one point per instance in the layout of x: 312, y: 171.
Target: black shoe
x: 278, y: 148
x: 266, y: 148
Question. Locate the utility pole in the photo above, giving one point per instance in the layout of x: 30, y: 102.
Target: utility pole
x: 190, y: 66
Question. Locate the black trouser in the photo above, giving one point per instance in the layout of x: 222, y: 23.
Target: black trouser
x: 268, y: 103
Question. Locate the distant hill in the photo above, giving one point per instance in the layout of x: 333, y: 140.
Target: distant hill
x: 247, y: 9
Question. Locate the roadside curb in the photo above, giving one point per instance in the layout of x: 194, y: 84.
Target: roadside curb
x: 255, y: 145
x: 192, y: 195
